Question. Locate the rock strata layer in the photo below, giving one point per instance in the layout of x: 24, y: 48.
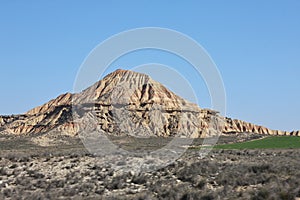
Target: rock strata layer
x: 127, y: 103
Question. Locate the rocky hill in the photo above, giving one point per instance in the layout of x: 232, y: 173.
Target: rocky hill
x: 127, y: 103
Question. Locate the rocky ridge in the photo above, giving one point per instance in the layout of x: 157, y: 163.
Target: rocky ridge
x: 127, y: 103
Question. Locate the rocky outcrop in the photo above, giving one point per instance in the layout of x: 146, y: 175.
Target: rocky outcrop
x: 45, y: 121
x: 237, y: 126
x: 127, y: 103
x: 64, y: 99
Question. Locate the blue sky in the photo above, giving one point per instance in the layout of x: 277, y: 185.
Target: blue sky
x: 255, y: 44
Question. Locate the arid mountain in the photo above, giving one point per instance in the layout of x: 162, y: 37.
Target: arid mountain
x: 127, y: 103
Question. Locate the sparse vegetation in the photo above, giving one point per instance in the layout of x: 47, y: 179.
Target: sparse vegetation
x: 65, y: 173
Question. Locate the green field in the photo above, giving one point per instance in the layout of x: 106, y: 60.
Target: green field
x: 272, y: 142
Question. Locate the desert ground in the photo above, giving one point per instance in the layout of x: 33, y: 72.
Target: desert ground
x: 69, y: 171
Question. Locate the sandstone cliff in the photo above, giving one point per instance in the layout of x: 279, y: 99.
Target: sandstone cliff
x: 127, y: 103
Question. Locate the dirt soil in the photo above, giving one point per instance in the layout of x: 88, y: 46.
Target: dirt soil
x: 69, y: 171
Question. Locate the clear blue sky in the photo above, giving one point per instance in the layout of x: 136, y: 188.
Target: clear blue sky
x: 255, y: 44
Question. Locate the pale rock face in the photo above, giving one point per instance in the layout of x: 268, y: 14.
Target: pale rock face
x: 279, y: 133
x: 127, y: 103
x: 69, y: 128
x: 64, y: 99
x: 295, y: 133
